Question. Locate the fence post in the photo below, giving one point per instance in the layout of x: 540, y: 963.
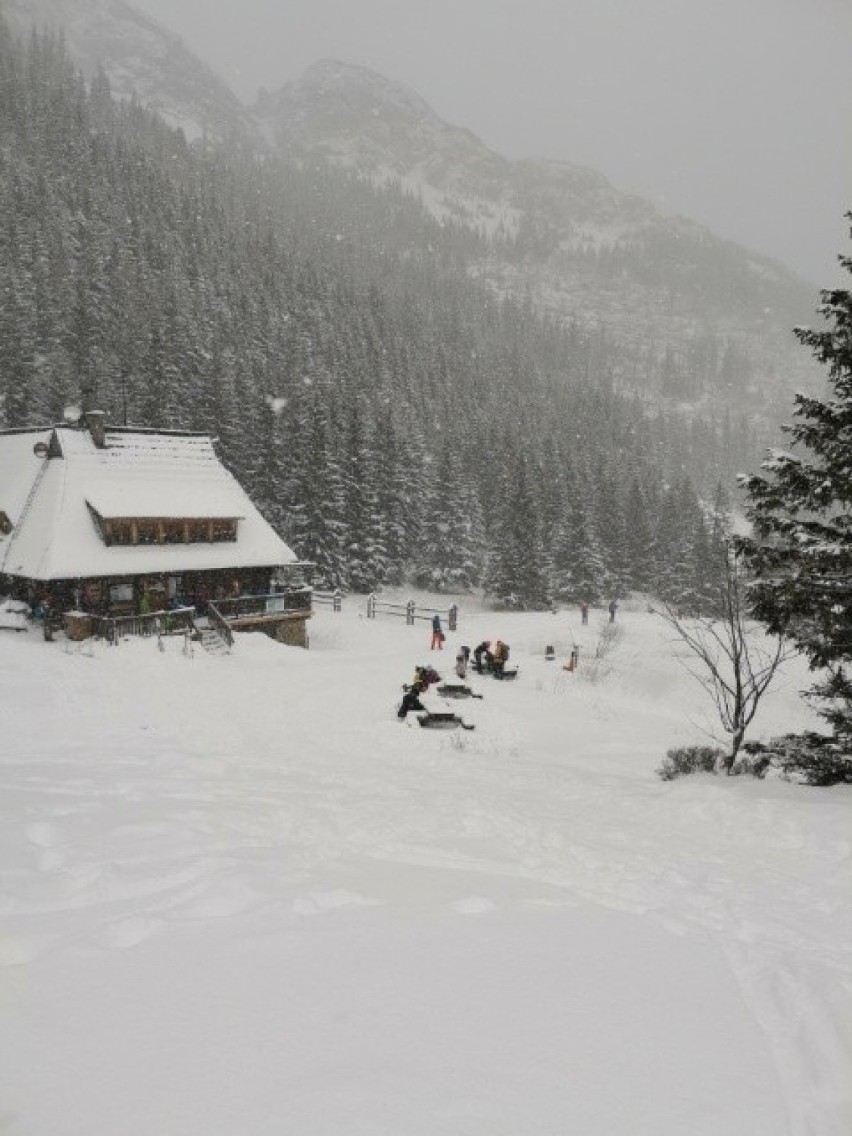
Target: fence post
x: 337, y: 600
x: 371, y: 606
x: 409, y: 613
x: 453, y: 617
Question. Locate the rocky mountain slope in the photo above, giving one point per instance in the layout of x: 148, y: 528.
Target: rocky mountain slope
x: 705, y: 319
x: 562, y: 235
x: 139, y: 56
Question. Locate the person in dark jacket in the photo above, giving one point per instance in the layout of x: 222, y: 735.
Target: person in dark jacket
x: 411, y: 700
x: 482, y: 654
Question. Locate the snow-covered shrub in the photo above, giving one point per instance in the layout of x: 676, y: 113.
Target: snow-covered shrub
x: 753, y: 760
x: 690, y: 759
x: 811, y: 758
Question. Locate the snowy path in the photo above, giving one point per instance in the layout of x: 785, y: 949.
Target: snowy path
x: 244, y: 877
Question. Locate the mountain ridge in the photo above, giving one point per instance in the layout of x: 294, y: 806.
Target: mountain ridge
x: 561, y: 236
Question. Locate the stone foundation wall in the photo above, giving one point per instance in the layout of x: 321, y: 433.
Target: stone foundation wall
x: 293, y: 632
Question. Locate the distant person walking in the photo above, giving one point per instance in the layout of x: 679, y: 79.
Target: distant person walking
x: 584, y: 612
x: 613, y: 608
x: 437, y: 633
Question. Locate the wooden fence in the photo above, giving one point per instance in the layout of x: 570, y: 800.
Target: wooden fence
x: 331, y: 599
x: 411, y: 612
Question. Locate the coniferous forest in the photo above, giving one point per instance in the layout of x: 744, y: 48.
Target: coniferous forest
x: 394, y: 419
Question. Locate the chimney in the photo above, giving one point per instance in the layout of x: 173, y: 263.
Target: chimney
x: 93, y: 420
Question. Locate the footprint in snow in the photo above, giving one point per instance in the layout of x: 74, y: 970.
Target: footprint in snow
x: 474, y: 905
x: 129, y: 932
x: 317, y: 903
x: 20, y: 950
x: 42, y: 834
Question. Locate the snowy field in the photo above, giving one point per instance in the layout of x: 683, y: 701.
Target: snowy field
x: 240, y: 898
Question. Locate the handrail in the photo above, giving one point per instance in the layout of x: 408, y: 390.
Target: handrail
x: 219, y: 624
x: 113, y: 628
x: 273, y: 603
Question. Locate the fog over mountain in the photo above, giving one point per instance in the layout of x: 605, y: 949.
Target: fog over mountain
x: 734, y: 113
x: 700, y: 317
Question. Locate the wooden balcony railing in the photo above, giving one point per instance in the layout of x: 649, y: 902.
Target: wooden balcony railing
x: 293, y: 602
x: 114, y: 628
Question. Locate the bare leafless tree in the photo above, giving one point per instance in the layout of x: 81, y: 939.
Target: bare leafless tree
x: 734, y: 669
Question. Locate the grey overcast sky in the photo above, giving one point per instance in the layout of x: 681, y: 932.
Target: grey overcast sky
x: 737, y: 113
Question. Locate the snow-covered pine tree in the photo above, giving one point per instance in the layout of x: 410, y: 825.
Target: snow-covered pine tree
x: 364, y: 548
x: 315, y: 526
x: 395, y: 498
x: 801, y: 511
x: 448, y: 560
x: 518, y: 567
x: 639, y: 538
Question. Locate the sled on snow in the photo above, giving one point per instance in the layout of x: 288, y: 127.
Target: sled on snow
x: 505, y: 674
x: 442, y: 721
x: 457, y: 690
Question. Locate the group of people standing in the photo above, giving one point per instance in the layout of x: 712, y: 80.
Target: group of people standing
x: 491, y: 657
x: 612, y: 609
x: 487, y: 657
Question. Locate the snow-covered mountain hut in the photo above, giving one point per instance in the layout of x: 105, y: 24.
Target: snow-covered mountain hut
x: 117, y: 522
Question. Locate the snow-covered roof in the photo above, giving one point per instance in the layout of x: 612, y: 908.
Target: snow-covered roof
x: 136, y: 474
x: 19, y: 465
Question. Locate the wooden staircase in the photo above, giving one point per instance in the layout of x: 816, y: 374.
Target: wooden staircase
x: 212, y: 642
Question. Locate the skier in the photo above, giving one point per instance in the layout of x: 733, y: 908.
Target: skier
x: 613, y: 608
x: 584, y: 612
x: 480, y: 652
x: 461, y: 665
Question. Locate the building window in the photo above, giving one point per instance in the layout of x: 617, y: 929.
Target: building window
x: 120, y: 593
x: 172, y: 530
x: 118, y: 532
x: 147, y: 532
x: 223, y: 530
x: 198, y: 531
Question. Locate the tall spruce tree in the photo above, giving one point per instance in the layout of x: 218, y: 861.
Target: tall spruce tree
x: 801, y: 511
